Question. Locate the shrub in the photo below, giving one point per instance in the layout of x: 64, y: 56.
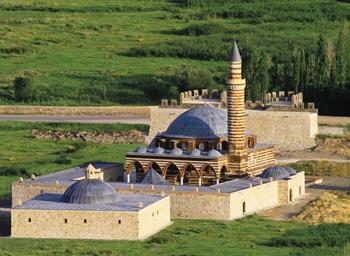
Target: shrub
x: 22, y: 87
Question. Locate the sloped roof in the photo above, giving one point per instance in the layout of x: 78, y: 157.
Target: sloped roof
x: 154, y: 178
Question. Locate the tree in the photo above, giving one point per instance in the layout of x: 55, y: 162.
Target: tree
x: 296, y: 71
x: 22, y: 87
x: 262, y: 76
x: 338, y: 71
x: 302, y: 71
x: 275, y: 79
x: 322, y: 77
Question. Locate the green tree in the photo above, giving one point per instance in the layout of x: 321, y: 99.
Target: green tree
x: 322, y: 78
x: 302, y: 71
x: 23, y: 88
x: 296, y: 71
x: 275, y: 76
x: 288, y: 74
x: 338, y: 70
x: 262, y: 75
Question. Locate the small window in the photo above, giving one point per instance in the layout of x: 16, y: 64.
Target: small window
x: 65, y: 221
x: 299, y: 190
x: 85, y: 220
x: 152, y: 214
x: 29, y: 219
x: 157, y: 212
x: 119, y: 221
x: 243, y: 207
x: 201, y: 147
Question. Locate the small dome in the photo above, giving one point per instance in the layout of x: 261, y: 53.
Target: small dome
x: 141, y: 150
x: 159, y: 150
x: 290, y: 170
x: 90, y: 191
x: 176, y: 151
x: 214, y: 153
x: 275, y: 172
x: 195, y: 152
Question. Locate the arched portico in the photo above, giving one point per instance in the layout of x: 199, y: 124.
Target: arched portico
x: 208, y: 175
x: 190, y: 175
x: 172, y: 173
x: 137, y: 168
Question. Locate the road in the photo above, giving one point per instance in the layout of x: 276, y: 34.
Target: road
x: 130, y: 119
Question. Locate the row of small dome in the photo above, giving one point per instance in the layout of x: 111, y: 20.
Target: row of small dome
x: 177, y: 151
x: 278, y: 172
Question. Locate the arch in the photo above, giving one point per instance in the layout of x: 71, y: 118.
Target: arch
x: 208, y: 175
x: 223, y: 171
x: 219, y: 146
x: 135, y: 169
x: 190, y: 175
x: 155, y: 166
x: 184, y: 146
x: 201, y: 146
x: 290, y: 195
x: 172, y: 173
x: 244, y: 209
x: 224, y: 145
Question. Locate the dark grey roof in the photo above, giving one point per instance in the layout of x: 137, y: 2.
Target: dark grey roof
x: 199, y: 122
x: 89, y: 191
x: 235, y: 55
x: 153, y: 177
x: 290, y: 170
x: 275, y: 172
x: 124, y: 202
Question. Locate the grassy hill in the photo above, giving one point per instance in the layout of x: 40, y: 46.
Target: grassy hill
x: 134, y: 52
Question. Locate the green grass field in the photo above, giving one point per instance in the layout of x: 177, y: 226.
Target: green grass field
x: 248, y: 236
x: 21, y: 154
x: 81, y: 52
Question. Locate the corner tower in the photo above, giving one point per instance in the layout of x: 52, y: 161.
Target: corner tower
x: 237, y: 146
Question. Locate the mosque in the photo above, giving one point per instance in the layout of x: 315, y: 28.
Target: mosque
x: 204, y: 166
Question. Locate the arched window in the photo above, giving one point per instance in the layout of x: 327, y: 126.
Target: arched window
x: 219, y: 146
x: 299, y: 190
x: 184, y: 146
x: 243, y: 208
x: 201, y: 146
x: 290, y: 195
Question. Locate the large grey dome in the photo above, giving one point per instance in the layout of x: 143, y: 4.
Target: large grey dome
x: 90, y: 191
x: 290, y: 170
x: 275, y: 172
x: 199, y: 122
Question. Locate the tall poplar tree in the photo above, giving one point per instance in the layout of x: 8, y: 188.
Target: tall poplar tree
x: 322, y: 77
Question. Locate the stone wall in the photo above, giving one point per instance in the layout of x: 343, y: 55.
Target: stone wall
x: 74, y: 110
x: 295, y: 185
x: 287, y: 130
x: 123, y: 137
x: 70, y: 224
x: 255, y: 199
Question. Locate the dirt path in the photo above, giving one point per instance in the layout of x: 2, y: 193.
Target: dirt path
x: 334, y: 120
x: 292, y: 157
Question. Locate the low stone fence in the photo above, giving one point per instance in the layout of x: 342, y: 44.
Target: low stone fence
x: 125, y: 137
x: 76, y: 110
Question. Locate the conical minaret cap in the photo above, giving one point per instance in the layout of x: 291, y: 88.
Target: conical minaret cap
x: 235, y: 55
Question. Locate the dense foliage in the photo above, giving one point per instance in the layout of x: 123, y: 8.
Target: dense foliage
x: 139, y: 52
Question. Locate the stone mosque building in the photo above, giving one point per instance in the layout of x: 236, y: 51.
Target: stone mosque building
x: 204, y: 145
x: 204, y: 166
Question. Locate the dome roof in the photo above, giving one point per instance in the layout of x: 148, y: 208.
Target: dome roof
x: 199, y: 122
x: 141, y: 149
x: 214, y: 153
x: 195, y: 152
x: 90, y: 191
x: 290, y: 170
x: 159, y: 150
x: 176, y: 151
x: 275, y: 172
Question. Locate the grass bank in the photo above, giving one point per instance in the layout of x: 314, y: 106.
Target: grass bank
x: 21, y: 154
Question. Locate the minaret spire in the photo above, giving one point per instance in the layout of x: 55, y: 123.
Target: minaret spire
x: 237, y: 147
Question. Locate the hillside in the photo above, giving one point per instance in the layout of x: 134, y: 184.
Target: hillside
x: 134, y: 52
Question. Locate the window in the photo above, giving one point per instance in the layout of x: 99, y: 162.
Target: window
x: 152, y: 214
x: 201, y: 147
x: 299, y: 190
x: 119, y: 221
x: 65, y: 221
x: 290, y: 195
x: 29, y: 219
x: 157, y: 212
x: 85, y: 220
x: 243, y: 207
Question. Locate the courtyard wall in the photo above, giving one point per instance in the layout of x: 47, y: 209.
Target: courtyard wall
x: 287, y: 130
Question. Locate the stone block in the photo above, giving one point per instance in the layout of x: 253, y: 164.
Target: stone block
x: 164, y: 102
x: 173, y: 102
x: 311, y: 105
x: 195, y: 93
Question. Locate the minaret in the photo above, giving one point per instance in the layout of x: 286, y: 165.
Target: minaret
x: 237, y: 147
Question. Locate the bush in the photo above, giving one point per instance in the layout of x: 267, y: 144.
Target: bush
x: 23, y: 88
